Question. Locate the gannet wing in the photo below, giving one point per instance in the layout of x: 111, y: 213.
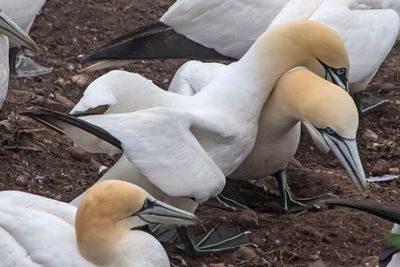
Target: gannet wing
x: 230, y: 27
x: 158, y: 142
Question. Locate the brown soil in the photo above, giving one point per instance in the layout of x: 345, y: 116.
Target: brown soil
x: 35, y: 159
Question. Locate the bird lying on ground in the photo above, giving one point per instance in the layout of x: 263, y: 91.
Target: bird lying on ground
x: 105, y: 230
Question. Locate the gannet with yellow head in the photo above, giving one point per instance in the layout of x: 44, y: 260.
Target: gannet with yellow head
x: 184, y: 146
x: 107, y: 229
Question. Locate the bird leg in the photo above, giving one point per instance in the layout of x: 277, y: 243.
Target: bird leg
x: 215, y: 240
x: 368, y: 104
x: 21, y: 66
x: 291, y: 203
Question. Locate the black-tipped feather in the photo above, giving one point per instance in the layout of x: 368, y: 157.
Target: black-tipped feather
x: 50, y: 118
x: 385, y: 211
x: 156, y: 41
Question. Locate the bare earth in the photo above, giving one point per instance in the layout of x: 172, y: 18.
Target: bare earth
x: 35, y: 159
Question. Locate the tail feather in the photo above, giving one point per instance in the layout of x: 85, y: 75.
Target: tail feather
x: 59, y: 121
x: 156, y: 41
x: 383, y: 210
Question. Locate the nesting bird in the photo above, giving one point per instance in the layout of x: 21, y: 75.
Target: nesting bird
x: 106, y: 232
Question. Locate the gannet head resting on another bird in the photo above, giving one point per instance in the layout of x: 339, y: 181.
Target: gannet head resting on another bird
x: 213, y: 118
x: 330, y: 115
x: 110, y: 211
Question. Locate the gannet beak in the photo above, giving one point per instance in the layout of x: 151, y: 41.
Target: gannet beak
x: 155, y: 211
x: 14, y: 32
x: 336, y: 76
x: 346, y: 151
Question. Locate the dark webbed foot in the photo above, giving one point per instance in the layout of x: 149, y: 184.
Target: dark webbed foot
x: 215, y: 240
x: 289, y: 203
x: 368, y: 104
x: 21, y: 66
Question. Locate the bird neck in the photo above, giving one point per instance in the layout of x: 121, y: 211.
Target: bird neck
x: 245, y: 85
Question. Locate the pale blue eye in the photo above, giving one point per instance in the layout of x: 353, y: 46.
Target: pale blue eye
x: 329, y: 131
x: 341, y: 71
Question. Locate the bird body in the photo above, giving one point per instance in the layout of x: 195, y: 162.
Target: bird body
x: 188, y: 144
x: 98, y: 238
x: 365, y: 32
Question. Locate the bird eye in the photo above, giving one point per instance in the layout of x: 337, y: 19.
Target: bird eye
x: 341, y: 71
x: 329, y: 131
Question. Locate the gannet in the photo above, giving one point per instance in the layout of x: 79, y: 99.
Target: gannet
x: 106, y: 230
x: 279, y: 133
x: 217, y: 126
x: 186, y: 145
x: 389, y: 255
x: 8, y: 29
x: 231, y: 27
x: 23, y: 13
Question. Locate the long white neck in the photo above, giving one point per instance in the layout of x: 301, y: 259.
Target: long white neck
x: 245, y: 85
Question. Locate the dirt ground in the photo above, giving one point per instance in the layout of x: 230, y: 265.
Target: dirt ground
x: 36, y: 159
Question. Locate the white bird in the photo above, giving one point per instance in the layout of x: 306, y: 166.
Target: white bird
x: 231, y: 27
x: 23, y: 13
x: 227, y: 149
x: 106, y: 230
x: 389, y: 255
x: 10, y: 30
x: 278, y: 130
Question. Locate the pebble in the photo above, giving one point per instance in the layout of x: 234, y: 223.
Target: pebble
x: 82, y: 80
x: 381, y: 167
x: 79, y: 153
x: 245, y: 253
x: 369, y: 135
x: 318, y: 263
x: 394, y: 170
x: 22, y: 180
x: 248, y: 218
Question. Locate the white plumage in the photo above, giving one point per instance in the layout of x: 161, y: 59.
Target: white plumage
x: 231, y: 27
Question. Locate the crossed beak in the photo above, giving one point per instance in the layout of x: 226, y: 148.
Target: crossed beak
x: 346, y: 151
x: 159, y: 212
x: 15, y: 33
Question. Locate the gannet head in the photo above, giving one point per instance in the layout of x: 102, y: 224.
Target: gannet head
x: 110, y: 209
x: 329, y: 114
x: 311, y: 45
x: 14, y: 32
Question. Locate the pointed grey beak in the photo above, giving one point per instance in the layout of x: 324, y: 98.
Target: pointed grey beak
x: 160, y: 212
x: 14, y: 32
x: 346, y: 151
x: 339, y: 81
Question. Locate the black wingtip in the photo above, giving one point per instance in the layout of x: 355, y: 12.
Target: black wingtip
x: 382, y: 210
x: 155, y: 41
x: 50, y: 118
